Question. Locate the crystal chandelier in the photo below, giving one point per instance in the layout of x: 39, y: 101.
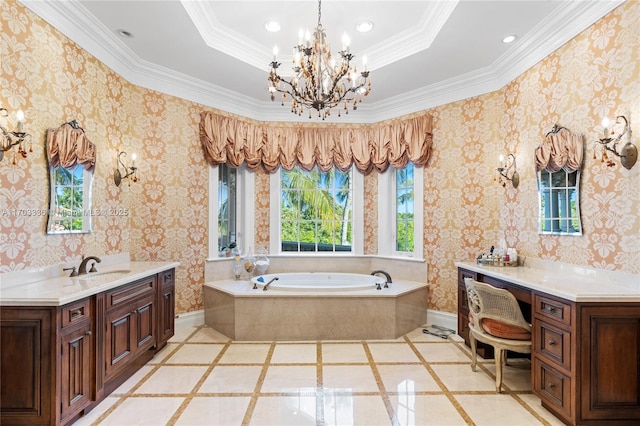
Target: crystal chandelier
x: 319, y: 82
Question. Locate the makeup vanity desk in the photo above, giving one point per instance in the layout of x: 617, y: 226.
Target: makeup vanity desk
x: 585, y: 359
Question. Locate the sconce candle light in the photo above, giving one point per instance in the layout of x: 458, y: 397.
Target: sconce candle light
x: 507, y: 171
x: 118, y: 175
x: 612, y: 135
x: 13, y: 138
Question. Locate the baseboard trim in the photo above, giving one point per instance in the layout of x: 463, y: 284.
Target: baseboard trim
x: 444, y: 319
x: 190, y: 319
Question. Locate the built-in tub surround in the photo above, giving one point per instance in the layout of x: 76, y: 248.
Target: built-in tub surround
x: 241, y: 312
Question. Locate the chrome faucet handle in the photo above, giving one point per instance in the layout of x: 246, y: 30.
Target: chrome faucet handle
x: 74, y: 273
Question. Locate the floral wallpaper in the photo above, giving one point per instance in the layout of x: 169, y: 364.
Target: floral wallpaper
x: 594, y: 75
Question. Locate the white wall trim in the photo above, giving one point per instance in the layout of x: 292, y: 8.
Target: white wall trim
x: 190, y: 319
x: 444, y: 319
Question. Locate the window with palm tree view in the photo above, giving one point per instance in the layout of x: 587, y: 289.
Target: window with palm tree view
x: 404, y: 209
x: 316, y: 211
x: 70, y: 200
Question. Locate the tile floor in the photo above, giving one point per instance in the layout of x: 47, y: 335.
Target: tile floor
x: 204, y: 378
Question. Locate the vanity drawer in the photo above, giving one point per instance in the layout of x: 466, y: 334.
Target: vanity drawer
x: 129, y: 292
x: 76, y: 312
x: 552, y: 387
x: 168, y: 277
x: 553, y: 309
x: 552, y: 343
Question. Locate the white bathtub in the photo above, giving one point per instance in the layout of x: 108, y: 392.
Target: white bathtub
x: 319, y: 282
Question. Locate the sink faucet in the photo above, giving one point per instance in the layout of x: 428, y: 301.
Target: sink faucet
x: 386, y: 276
x: 82, y: 269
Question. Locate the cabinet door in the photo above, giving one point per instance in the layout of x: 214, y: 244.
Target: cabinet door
x: 75, y: 371
x: 144, y: 323
x: 610, y: 363
x: 119, y: 338
x: 27, y: 389
x: 166, y: 316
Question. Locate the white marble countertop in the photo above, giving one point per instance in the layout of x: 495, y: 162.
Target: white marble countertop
x: 575, y: 283
x: 20, y: 289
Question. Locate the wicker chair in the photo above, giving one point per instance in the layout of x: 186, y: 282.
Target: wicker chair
x: 495, y: 318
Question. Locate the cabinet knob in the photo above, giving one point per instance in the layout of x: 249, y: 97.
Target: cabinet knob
x: 551, y: 385
x: 88, y: 333
x: 551, y: 342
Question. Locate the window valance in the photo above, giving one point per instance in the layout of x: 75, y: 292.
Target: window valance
x: 68, y: 145
x: 561, y: 149
x: 231, y: 141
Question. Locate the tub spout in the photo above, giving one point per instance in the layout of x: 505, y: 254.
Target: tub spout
x: 386, y: 276
x: 270, y: 281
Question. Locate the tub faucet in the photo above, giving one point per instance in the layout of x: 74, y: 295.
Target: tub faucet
x: 82, y: 269
x: 386, y: 275
x: 270, y: 281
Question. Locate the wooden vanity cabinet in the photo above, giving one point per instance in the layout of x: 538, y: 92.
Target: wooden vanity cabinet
x: 76, y: 357
x: 58, y: 362
x: 585, y: 355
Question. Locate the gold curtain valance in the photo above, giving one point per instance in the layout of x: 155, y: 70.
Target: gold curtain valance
x: 561, y: 149
x: 231, y: 141
x: 68, y: 145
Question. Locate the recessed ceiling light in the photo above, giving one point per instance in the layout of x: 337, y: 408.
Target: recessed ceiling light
x: 364, y: 26
x: 272, y: 26
x: 508, y: 39
x: 124, y: 33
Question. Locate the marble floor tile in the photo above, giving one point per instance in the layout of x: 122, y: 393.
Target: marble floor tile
x: 207, y: 411
x: 496, y: 410
x: 290, y: 379
x: 305, y: 353
x: 133, y: 380
x: 438, y: 352
x: 392, y: 352
x: 231, y: 379
x: 340, y: 409
x: 143, y: 411
x: 425, y: 410
x: 208, y: 335
x: 407, y: 378
x: 343, y: 353
x: 287, y: 383
x: 172, y: 380
x: 284, y: 411
x: 245, y: 353
x: 459, y: 377
x: 349, y: 378
x: 195, y: 354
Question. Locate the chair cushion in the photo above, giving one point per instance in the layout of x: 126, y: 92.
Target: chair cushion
x: 503, y: 330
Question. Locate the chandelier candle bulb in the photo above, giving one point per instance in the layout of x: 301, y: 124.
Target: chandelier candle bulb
x: 275, y: 52
x: 20, y: 118
x: 605, y: 127
x: 133, y: 160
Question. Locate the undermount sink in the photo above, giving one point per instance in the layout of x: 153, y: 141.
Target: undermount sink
x: 106, y: 274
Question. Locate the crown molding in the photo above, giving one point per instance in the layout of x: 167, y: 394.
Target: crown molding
x: 572, y: 18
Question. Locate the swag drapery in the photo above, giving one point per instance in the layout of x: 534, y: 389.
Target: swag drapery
x: 560, y: 150
x: 68, y: 145
x: 231, y: 141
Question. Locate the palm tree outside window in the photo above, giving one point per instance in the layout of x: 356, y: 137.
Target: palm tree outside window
x: 316, y: 211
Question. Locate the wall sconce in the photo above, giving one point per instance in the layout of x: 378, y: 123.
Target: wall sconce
x: 507, y: 171
x: 118, y: 175
x: 13, y: 138
x: 628, y: 153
